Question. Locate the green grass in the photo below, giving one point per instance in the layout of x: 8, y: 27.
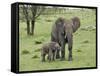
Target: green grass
x: 84, y: 42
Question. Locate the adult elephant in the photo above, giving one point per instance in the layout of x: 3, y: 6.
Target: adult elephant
x: 62, y: 33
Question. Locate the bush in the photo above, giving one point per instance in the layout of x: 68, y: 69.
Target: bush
x: 39, y: 40
x: 25, y: 52
x: 79, y: 50
x: 48, y: 20
x: 35, y: 56
x: 37, y: 50
x: 86, y: 41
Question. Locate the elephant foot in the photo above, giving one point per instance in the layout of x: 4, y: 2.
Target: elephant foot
x: 70, y: 59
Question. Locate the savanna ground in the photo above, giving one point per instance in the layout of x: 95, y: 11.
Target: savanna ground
x: 84, y: 42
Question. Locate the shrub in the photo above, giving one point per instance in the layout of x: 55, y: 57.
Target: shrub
x: 35, y: 56
x: 39, y: 40
x: 79, y: 50
x: 37, y: 50
x: 25, y: 52
x: 86, y: 41
x: 48, y: 20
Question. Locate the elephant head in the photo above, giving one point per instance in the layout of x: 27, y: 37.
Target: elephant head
x: 60, y: 25
x: 71, y: 26
x: 67, y: 26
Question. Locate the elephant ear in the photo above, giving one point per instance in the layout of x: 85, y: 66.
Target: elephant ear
x: 76, y: 23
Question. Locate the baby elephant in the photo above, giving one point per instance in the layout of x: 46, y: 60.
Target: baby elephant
x: 49, y: 49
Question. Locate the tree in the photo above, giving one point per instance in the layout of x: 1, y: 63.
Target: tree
x: 26, y: 14
x: 31, y: 13
x: 36, y: 12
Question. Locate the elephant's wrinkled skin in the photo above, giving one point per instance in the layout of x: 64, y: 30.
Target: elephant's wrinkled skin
x: 62, y: 33
x: 50, y: 49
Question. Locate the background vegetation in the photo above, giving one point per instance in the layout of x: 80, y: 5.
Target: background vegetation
x: 84, y: 42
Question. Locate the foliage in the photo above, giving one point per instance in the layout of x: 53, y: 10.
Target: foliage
x: 30, y: 13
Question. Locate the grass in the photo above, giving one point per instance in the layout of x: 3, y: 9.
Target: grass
x: 84, y: 42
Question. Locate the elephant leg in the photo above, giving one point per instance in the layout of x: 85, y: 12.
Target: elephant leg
x: 48, y: 57
x: 70, y: 43
x: 53, y: 56
x: 50, y: 54
x: 63, y: 50
x: 43, y: 58
x: 57, y: 55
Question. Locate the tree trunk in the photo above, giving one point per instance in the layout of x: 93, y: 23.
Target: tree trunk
x: 32, y: 28
x: 28, y: 27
